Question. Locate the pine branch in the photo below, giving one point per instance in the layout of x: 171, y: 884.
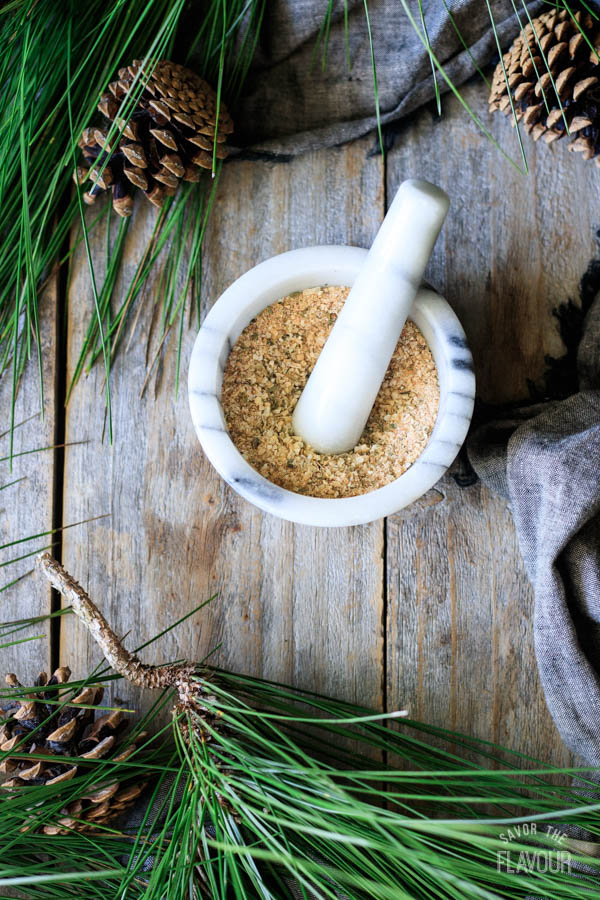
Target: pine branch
x: 279, y: 791
x: 122, y: 661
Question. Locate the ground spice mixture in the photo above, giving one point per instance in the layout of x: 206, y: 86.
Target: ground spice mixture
x: 266, y: 373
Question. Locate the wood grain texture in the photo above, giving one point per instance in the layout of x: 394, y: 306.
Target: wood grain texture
x: 514, y: 246
x: 460, y: 608
x: 293, y: 603
x: 26, y: 508
x: 296, y: 603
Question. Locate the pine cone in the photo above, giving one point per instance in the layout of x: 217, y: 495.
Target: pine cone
x: 169, y: 137
x: 554, y: 74
x: 74, y: 732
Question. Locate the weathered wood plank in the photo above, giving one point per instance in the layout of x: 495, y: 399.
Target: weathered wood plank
x: 26, y: 508
x: 293, y: 603
x: 460, y: 638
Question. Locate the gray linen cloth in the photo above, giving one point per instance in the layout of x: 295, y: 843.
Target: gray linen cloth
x: 546, y: 460
x: 293, y: 104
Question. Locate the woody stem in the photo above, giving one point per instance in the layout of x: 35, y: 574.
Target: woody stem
x: 122, y: 661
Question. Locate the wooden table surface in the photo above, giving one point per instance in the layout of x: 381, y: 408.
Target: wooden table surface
x: 429, y: 609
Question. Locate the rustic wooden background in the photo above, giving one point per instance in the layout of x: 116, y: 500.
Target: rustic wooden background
x: 430, y: 609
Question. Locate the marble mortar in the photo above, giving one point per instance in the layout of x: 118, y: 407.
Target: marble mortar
x: 246, y: 298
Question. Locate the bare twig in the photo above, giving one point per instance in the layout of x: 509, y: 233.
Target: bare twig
x: 122, y: 661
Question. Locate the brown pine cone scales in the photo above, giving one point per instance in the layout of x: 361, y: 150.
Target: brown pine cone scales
x: 553, y: 71
x: 169, y: 137
x: 74, y: 732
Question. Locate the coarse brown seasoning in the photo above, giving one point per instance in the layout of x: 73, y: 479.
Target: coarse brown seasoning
x: 266, y: 373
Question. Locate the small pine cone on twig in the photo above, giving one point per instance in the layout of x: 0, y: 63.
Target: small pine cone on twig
x: 68, y: 743
x: 553, y: 72
x: 169, y: 137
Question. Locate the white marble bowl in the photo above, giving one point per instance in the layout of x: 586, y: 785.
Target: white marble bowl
x: 248, y: 296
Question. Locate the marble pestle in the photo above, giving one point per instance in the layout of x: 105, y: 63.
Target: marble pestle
x: 334, y: 407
